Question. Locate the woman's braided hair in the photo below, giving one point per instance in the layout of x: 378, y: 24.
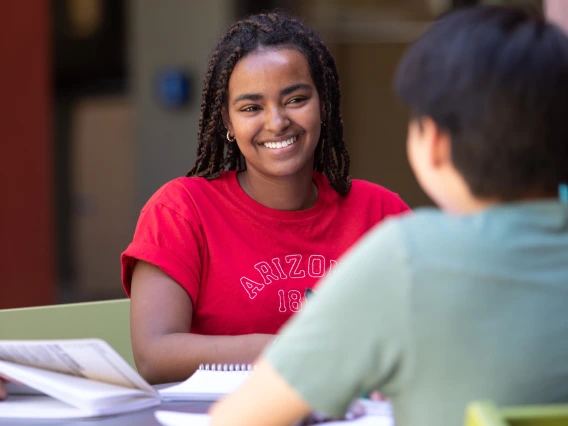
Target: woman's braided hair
x: 214, y: 153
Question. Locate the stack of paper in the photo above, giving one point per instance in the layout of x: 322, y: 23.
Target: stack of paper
x: 378, y: 414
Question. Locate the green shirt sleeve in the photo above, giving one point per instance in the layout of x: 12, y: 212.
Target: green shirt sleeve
x: 351, y: 336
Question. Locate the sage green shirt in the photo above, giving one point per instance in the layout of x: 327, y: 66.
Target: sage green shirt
x: 435, y: 311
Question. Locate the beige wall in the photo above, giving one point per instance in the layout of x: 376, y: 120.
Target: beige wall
x: 375, y: 123
x: 102, y: 179
x: 367, y: 39
x: 172, y: 33
x: 125, y: 148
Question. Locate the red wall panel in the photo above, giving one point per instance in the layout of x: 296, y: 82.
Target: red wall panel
x: 26, y: 176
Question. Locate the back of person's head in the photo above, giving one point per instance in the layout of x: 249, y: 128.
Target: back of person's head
x: 268, y: 31
x: 496, y: 80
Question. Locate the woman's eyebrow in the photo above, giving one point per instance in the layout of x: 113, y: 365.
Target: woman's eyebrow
x: 293, y: 88
x: 248, y: 97
x: 283, y: 92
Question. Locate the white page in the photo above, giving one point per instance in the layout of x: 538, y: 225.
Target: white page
x: 88, y: 395
x: 206, y: 385
x: 172, y: 418
x: 367, y: 420
x: 89, y: 358
x: 376, y: 408
x: 45, y: 407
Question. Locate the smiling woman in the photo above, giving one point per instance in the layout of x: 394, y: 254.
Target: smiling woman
x: 221, y: 258
x: 274, y: 114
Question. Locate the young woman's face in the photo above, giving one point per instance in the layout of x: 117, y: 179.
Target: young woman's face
x: 273, y: 111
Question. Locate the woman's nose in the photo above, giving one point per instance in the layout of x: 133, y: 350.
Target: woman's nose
x: 277, y: 121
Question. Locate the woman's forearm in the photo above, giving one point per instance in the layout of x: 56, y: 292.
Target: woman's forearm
x: 174, y: 357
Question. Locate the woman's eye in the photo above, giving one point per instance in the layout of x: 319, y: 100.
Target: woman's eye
x: 296, y: 100
x: 251, y: 108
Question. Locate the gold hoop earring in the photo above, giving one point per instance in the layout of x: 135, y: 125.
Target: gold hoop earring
x: 229, y: 136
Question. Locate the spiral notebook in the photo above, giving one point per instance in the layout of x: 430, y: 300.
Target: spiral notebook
x: 209, y: 383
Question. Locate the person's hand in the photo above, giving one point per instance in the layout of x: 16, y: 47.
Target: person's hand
x: 377, y: 396
x: 3, y: 391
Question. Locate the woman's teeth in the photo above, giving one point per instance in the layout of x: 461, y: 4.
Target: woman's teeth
x: 283, y: 144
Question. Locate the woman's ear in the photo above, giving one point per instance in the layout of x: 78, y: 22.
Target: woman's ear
x: 227, y: 120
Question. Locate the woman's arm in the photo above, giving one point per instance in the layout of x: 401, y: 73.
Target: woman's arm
x: 275, y: 402
x: 160, y: 318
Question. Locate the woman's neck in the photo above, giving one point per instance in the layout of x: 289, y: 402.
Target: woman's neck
x: 288, y: 193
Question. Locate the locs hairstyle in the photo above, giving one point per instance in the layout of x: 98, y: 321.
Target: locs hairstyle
x: 214, y: 153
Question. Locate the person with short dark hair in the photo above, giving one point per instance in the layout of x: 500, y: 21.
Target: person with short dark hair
x: 440, y: 308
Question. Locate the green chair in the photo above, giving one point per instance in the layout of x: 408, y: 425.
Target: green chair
x: 107, y: 320
x: 485, y: 413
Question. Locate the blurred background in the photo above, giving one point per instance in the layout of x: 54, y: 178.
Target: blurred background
x: 99, y: 106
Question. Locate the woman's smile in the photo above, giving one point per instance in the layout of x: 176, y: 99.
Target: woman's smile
x: 280, y: 144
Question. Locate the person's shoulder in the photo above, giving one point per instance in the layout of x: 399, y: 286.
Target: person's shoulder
x: 181, y: 192
x: 429, y: 231
x: 377, y: 195
x: 365, y: 187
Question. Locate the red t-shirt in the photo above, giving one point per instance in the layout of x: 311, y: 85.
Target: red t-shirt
x: 246, y: 266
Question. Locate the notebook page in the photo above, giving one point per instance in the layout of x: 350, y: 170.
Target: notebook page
x: 172, y: 418
x: 206, y: 385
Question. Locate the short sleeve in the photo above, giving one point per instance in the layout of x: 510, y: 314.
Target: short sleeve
x: 394, y: 205
x: 168, y: 235
x: 352, y: 335
x: 397, y: 206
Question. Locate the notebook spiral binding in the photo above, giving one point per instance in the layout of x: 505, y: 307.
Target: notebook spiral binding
x: 227, y: 367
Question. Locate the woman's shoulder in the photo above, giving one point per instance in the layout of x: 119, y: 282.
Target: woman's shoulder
x: 180, y: 192
x: 374, y: 194
x: 369, y: 193
x: 369, y: 189
x: 375, y: 199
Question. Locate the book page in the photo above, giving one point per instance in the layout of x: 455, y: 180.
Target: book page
x: 88, y: 358
x: 92, y: 397
x: 44, y: 407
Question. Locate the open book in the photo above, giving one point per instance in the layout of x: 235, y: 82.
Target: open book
x: 70, y: 379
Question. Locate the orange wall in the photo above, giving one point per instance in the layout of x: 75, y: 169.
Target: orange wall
x: 26, y: 175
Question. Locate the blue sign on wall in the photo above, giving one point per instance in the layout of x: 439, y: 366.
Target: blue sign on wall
x: 173, y: 88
